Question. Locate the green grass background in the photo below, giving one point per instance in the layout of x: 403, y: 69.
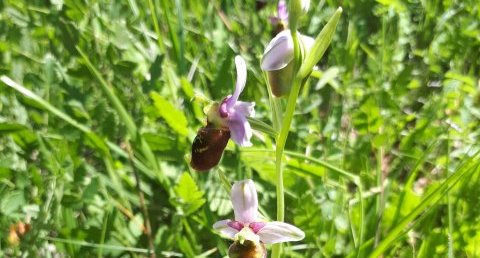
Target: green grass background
x: 382, y: 157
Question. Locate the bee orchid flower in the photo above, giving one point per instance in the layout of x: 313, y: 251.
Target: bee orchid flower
x: 232, y: 113
x: 277, y: 61
x: 247, y: 230
x: 282, y: 14
x: 225, y: 120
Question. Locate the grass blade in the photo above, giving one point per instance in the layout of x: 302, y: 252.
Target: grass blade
x: 107, y: 89
x: 463, y: 172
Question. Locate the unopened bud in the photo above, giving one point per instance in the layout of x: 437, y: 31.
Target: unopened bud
x: 278, y: 62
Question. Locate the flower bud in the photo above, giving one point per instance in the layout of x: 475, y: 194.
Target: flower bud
x: 249, y: 249
x: 278, y: 62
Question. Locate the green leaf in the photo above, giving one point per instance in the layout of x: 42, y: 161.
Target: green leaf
x: 11, y: 202
x: 189, y: 196
x: 320, y: 45
x: 262, y: 127
x: 6, y: 128
x: 174, y: 117
x: 91, y: 190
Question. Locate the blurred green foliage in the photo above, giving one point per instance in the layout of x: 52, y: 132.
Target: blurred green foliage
x: 392, y: 111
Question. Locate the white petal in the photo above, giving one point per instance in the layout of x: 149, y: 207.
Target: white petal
x: 307, y: 42
x: 241, y: 79
x: 244, y: 201
x: 278, y: 232
x: 278, y: 53
x: 225, y: 230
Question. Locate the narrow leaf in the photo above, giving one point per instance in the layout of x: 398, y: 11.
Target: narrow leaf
x: 320, y: 45
x: 117, y: 104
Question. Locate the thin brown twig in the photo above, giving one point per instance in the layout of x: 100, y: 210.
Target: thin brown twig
x: 147, y: 227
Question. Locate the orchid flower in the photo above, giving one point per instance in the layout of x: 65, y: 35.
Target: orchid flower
x: 225, y: 120
x: 247, y: 226
x: 282, y: 14
x: 232, y: 113
x: 277, y: 61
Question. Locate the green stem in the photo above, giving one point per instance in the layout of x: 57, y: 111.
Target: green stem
x: 282, y: 139
x: 276, y: 106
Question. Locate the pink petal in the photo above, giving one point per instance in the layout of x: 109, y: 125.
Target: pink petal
x: 240, y: 129
x: 223, y: 109
x: 279, y: 52
x: 244, y: 201
x: 282, y: 11
x: 278, y: 232
x: 236, y: 225
x: 256, y: 226
x: 241, y: 81
x: 246, y: 109
x: 224, y: 229
x: 274, y: 20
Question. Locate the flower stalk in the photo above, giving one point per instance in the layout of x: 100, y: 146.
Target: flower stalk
x: 282, y: 138
x: 302, y: 71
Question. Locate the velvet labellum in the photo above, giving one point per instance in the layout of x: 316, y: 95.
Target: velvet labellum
x: 247, y: 249
x: 208, y: 146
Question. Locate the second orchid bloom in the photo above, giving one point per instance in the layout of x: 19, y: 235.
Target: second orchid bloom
x: 225, y: 120
x: 248, y: 231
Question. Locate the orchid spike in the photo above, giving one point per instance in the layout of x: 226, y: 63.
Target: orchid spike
x: 277, y: 61
x: 232, y: 113
x: 247, y: 227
